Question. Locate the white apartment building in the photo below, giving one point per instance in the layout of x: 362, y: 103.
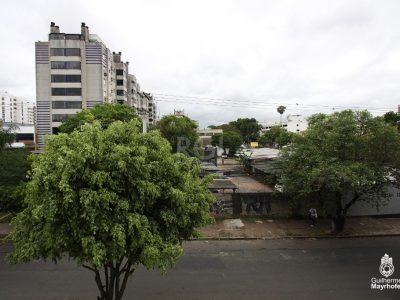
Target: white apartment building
x: 74, y: 72
x: 16, y: 110
x: 293, y: 123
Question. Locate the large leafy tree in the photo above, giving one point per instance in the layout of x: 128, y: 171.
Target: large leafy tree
x: 392, y: 118
x: 7, y: 136
x: 342, y: 159
x: 248, y: 128
x: 111, y: 199
x: 228, y: 140
x: 14, y: 166
x: 277, y: 136
x: 104, y: 113
x: 181, y: 132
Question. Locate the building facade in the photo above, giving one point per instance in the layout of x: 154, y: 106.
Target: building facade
x: 74, y: 72
x: 16, y: 110
x: 293, y: 123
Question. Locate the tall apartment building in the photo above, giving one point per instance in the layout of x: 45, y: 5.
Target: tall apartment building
x: 73, y: 72
x: 16, y: 110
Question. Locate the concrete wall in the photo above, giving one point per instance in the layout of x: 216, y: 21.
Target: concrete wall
x: 392, y: 206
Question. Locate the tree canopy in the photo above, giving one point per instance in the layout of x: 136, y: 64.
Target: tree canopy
x: 7, y: 136
x: 181, y: 132
x: 248, y: 128
x: 230, y: 140
x: 392, y: 118
x: 277, y: 136
x: 110, y: 199
x: 342, y: 158
x: 104, y: 113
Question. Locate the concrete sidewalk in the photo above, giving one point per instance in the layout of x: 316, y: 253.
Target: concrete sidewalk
x: 261, y: 228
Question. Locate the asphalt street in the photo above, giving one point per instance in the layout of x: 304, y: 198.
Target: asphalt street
x: 258, y: 269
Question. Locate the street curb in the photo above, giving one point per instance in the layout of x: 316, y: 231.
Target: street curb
x: 299, y: 237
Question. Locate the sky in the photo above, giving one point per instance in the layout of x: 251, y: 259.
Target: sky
x: 223, y: 60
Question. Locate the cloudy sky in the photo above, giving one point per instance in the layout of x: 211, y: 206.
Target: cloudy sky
x: 220, y: 60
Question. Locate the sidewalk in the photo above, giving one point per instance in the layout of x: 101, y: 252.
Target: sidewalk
x: 259, y: 228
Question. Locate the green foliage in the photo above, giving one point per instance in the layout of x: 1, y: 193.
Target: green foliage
x: 7, y: 136
x: 226, y: 127
x: 341, y: 159
x: 392, y: 119
x: 181, y: 132
x: 111, y: 199
x: 14, y: 167
x: 229, y: 139
x: 248, y: 128
x: 105, y: 114
x: 281, y: 109
x: 277, y: 137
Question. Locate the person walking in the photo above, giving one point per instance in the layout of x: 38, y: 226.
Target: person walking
x: 313, y: 216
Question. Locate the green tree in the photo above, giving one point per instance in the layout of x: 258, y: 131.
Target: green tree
x: 392, y: 118
x: 228, y: 140
x: 111, y: 199
x: 104, y: 113
x: 14, y: 167
x: 226, y: 127
x: 281, y: 109
x: 181, y: 132
x: 248, y: 128
x: 277, y: 136
x: 7, y: 136
x: 342, y: 159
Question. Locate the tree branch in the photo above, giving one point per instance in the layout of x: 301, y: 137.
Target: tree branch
x: 89, y: 268
x: 128, y: 272
x: 100, y: 284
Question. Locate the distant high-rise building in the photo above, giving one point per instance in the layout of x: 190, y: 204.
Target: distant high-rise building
x: 77, y: 71
x: 16, y: 110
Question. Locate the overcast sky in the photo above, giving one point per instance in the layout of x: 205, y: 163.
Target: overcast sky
x: 303, y: 54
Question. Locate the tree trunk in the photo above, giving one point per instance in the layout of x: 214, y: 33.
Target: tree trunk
x: 338, y: 222
x: 112, y: 285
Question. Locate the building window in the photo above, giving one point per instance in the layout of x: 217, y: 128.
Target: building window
x: 72, y: 52
x: 120, y: 93
x: 57, y: 51
x: 65, y: 78
x: 67, y: 104
x: 66, y: 91
x: 65, y: 64
x: 65, y: 51
x: 60, y: 117
x: 120, y: 82
x: 120, y: 72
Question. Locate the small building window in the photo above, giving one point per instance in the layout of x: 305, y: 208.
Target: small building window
x: 67, y: 104
x: 60, y: 117
x: 65, y: 64
x: 66, y: 91
x: 65, y: 78
x: 120, y: 72
x: 120, y: 82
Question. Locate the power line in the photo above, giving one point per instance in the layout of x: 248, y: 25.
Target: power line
x: 255, y: 104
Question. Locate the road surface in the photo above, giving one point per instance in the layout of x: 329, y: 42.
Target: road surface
x: 222, y: 270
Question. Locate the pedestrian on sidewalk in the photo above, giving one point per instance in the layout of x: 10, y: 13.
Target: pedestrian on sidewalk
x: 313, y: 216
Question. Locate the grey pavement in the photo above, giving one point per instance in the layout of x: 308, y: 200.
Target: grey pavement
x: 222, y: 270
x: 261, y: 227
